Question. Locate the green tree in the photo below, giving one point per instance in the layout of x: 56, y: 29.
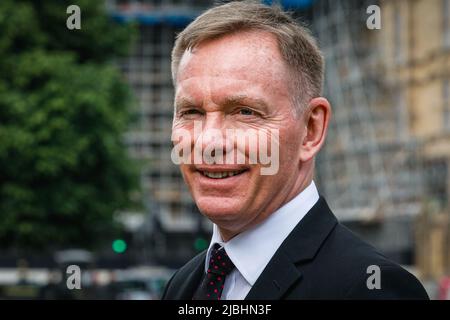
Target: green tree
x: 64, y: 171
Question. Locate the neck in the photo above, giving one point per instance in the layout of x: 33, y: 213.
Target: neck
x: 301, y: 184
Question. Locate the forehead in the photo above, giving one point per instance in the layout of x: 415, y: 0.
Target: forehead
x: 248, y: 60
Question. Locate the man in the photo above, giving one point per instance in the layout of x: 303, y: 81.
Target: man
x: 246, y: 66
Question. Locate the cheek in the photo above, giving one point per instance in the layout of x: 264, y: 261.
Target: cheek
x: 184, y: 172
x: 290, y: 147
x: 260, y: 146
x: 181, y: 145
x: 188, y: 175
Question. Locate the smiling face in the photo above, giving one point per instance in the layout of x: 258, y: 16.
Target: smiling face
x: 239, y: 81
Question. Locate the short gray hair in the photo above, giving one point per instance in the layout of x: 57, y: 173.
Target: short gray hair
x: 296, y: 44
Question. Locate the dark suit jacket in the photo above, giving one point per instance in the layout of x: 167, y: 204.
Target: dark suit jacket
x: 320, y: 259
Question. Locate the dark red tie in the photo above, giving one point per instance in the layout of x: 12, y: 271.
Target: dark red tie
x: 212, y: 283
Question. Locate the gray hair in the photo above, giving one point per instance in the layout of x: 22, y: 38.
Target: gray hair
x: 296, y: 44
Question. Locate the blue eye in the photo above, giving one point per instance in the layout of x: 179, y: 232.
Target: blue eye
x: 190, y: 112
x: 246, y: 112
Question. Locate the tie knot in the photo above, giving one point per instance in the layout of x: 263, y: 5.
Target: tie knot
x: 219, y: 262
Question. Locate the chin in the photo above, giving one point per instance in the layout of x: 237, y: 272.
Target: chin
x: 219, y: 209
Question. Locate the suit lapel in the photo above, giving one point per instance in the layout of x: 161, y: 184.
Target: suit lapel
x: 193, y: 278
x: 302, y: 244
x: 279, y: 275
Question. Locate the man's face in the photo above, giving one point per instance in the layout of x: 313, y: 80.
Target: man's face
x: 238, y: 82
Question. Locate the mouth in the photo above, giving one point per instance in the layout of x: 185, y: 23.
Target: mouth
x: 221, y: 174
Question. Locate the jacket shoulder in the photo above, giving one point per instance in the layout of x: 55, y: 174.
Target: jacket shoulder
x: 365, y: 273
x: 179, y: 278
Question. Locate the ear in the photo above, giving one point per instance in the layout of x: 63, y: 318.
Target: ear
x: 316, y: 118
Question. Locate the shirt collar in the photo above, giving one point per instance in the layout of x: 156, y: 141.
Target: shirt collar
x: 252, y: 249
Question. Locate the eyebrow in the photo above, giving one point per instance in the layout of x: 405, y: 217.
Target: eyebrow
x: 183, y: 102
x: 244, y: 99
x: 229, y: 101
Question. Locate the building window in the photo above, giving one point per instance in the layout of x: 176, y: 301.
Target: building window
x: 398, y: 41
x: 446, y: 23
x: 436, y: 174
x: 446, y: 102
x: 402, y: 114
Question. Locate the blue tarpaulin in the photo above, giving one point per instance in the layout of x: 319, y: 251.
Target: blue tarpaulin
x: 180, y: 18
x: 292, y: 4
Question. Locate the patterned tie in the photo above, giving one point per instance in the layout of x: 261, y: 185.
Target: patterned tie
x: 220, y: 266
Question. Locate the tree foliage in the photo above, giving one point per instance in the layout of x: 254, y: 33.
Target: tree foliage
x: 64, y: 171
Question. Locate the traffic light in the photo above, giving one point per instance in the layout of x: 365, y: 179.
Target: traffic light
x: 200, y: 244
x: 119, y: 246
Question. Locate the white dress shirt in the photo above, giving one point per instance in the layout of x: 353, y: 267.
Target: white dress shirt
x: 252, y: 249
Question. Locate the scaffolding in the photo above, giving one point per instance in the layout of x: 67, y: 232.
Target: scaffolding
x: 369, y: 168
x: 170, y: 214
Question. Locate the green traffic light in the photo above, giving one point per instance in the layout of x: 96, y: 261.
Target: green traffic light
x: 119, y: 246
x: 200, y: 244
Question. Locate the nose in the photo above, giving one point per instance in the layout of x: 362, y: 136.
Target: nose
x: 211, y: 138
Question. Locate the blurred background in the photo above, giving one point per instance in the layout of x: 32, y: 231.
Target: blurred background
x: 85, y: 121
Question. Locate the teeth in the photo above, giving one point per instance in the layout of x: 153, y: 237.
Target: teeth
x: 220, y: 175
